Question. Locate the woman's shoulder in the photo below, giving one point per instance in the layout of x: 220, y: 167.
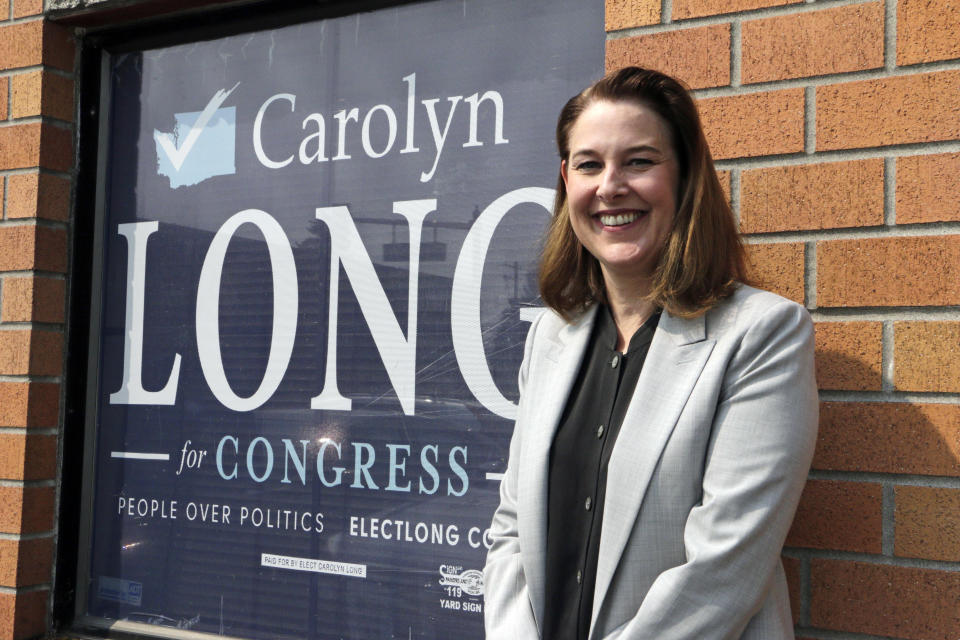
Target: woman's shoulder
x: 748, y: 307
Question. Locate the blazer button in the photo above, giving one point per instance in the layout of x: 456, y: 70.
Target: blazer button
x: 588, y: 504
x: 615, y: 361
x: 579, y: 576
x: 600, y: 431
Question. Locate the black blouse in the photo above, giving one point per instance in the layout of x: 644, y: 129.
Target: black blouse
x: 579, y: 456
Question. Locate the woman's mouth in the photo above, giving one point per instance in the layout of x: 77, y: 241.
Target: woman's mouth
x: 619, y: 219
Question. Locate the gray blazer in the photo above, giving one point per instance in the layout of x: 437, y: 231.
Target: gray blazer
x: 702, y: 483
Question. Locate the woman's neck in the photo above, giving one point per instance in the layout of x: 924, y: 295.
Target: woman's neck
x: 628, y: 306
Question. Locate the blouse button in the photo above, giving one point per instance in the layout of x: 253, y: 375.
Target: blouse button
x: 588, y: 504
x: 579, y: 576
x: 600, y: 431
x: 615, y: 361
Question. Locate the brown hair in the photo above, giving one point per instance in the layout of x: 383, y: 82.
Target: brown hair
x: 702, y: 259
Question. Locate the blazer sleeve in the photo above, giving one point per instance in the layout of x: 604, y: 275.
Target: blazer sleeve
x: 508, y: 610
x: 760, y: 450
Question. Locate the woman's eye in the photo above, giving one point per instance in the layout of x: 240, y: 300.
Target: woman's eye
x: 587, y: 165
x: 639, y: 162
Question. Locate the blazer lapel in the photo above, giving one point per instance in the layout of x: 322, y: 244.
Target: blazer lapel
x: 676, y: 358
x: 560, y: 362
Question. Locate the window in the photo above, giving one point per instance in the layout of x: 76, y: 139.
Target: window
x: 313, y: 277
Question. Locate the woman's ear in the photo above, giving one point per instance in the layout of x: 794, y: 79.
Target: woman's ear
x: 563, y: 171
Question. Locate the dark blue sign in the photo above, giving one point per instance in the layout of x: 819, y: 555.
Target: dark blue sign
x: 319, y: 248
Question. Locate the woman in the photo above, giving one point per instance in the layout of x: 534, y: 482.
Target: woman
x: 668, y: 411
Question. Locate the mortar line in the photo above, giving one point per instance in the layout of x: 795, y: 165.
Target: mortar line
x: 735, y: 195
x: 31, y: 431
x: 840, y: 155
x: 874, y: 477
x: 875, y: 559
x: 886, y: 356
x: 907, y: 397
x: 28, y: 484
x: 720, y: 18
x: 805, y: 590
x: 810, y: 120
x: 825, y: 634
x: 26, y: 536
x: 878, y: 314
x: 34, y: 273
x: 845, y: 77
x: 20, y: 325
x: 736, y: 53
x: 890, y: 35
x: 890, y: 191
x: 920, y: 230
x: 30, y: 378
x: 888, y: 510
x: 810, y: 275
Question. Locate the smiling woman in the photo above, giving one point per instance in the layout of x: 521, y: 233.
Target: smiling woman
x: 668, y: 410
x: 621, y: 180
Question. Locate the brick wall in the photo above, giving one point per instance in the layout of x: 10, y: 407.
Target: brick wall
x: 36, y: 158
x: 836, y: 126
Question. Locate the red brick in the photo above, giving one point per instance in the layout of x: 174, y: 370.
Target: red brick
x: 25, y: 247
x: 683, y: 9
x: 928, y: 188
x: 926, y: 356
x: 23, y: 44
x: 26, y: 509
x: 899, y: 110
x: 927, y: 31
x: 24, y: 8
x: 4, y: 9
x: 849, y: 355
x: 38, y: 195
x: 791, y: 566
x: 844, y: 38
x: 917, y: 604
x: 25, y: 562
x: 26, y: 352
x: 623, y: 14
x: 812, y: 196
x: 844, y: 516
x: 889, y: 272
x: 779, y: 268
x: 37, y: 299
x: 928, y: 523
x: 36, y: 42
x: 41, y: 93
x: 36, y: 144
x: 889, y: 437
x: 29, y: 404
x: 700, y: 57
x: 23, y: 615
x: 27, y: 457
x: 754, y: 124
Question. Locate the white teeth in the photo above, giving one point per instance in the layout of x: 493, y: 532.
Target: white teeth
x: 619, y: 219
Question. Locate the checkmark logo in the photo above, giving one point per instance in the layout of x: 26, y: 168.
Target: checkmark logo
x: 202, y: 144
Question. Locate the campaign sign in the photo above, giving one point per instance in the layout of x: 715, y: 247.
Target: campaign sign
x: 319, y: 248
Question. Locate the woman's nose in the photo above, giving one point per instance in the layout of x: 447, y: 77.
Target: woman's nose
x: 611, y: 185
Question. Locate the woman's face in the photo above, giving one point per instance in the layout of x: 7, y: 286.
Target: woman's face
x: 622, y: 180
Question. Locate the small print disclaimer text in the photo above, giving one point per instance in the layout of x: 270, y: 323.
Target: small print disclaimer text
x: 314, y: 565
